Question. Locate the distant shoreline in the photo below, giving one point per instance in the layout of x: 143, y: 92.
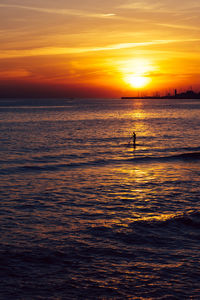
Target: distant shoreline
x: 161, y: 97
x: 190, y: 94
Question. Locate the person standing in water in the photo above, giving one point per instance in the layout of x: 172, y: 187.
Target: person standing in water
x: 134, y: 138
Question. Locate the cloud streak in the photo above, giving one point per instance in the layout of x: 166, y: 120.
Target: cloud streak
x: 143, y: 5
x: 176, y: 26
x: 48, y: 51
x: 68, y: 12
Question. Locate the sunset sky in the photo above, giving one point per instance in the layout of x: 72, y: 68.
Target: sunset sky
x: 98, y: 48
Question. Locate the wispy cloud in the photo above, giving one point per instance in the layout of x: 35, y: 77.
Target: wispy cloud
x: 144, y: 5
x: 47, y: 51
x: 14, y: 73
x: 177, y: 26
x: 149, y: 6
x: 162, y: 6
x: 63, y: 11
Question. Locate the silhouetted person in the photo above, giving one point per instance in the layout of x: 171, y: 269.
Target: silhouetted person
x: 134, y: 138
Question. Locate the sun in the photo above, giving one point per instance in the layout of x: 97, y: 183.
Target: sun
x: 136, y: 72
x: 137, y: 81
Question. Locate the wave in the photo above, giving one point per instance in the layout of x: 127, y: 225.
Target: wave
x: 170, y: 230
x: 45, y: 166
x: 189, y: 156
x: 190, y: 218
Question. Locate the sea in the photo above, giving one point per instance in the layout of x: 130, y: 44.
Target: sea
x: 85, y: 214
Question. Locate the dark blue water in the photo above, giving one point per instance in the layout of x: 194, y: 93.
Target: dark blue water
x: 84, y: 214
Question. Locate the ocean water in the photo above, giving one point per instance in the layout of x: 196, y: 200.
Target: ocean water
x: 84, y: 214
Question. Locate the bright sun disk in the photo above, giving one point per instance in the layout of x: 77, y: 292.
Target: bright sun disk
x: 137, y: 81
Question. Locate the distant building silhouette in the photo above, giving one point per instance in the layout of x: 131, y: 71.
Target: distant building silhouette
x: 189, y: 94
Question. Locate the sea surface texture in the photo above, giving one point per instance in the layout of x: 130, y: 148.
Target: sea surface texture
x: 84, y: 214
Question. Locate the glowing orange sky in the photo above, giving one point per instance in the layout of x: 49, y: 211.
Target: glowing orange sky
x: 98, y: 48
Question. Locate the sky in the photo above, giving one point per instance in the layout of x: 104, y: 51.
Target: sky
x: 98, y: 48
